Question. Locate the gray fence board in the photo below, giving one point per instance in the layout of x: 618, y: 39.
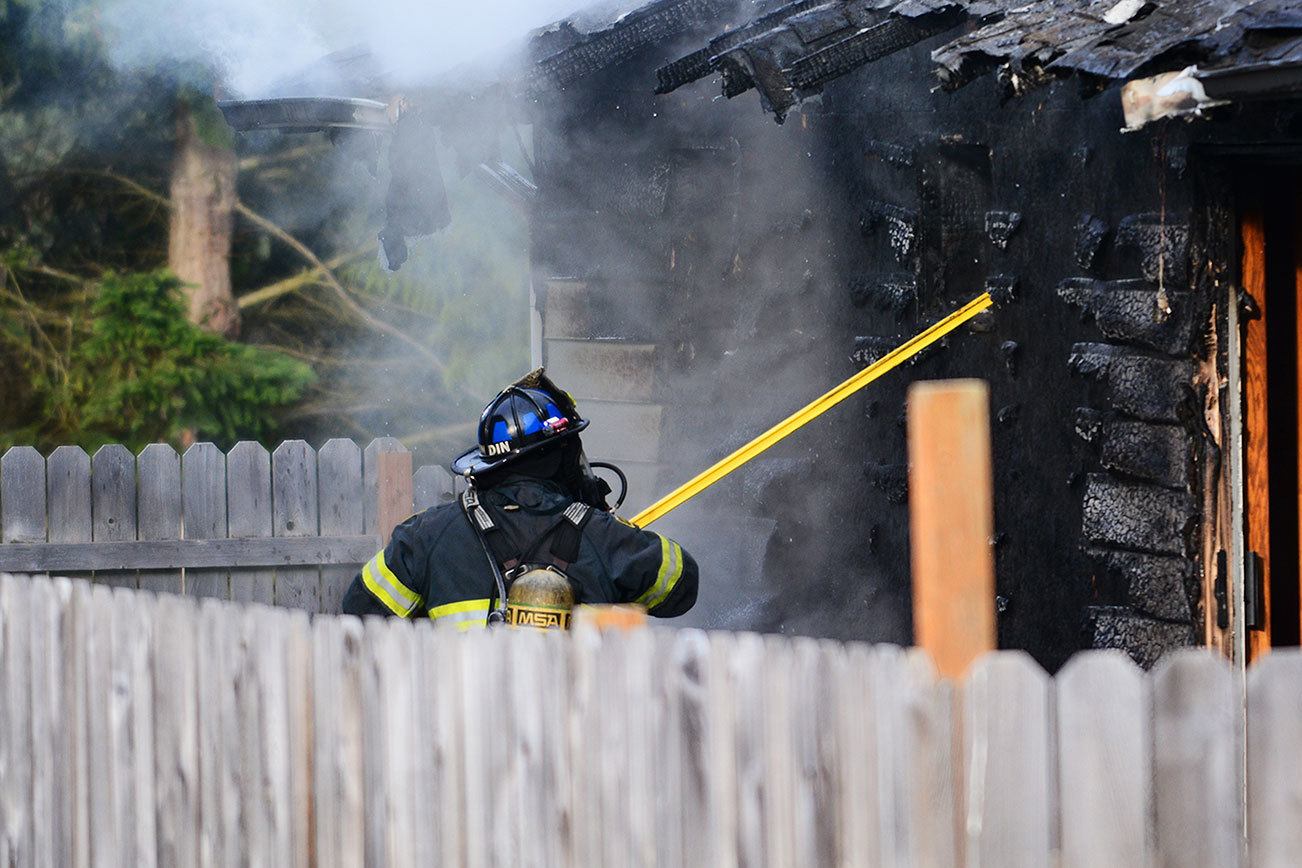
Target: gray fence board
x: 248, y: 498
x: 159, y: 509
x: 203, y: 497
x: 176, y: 748
x: 168, y: 554
x: 113, y: 486
x: 76, y: 660
x: 432, y: 486
x: 67, y: 480
x: 1196, y: 742
x: 1274, y: 760
x: 22, y: 495
x: 340, y: 744
x: 159, y: 730
x: 104, y: 781
x: 342, y: 511
x: 1006, y: 757
x: 1105, y: 762
x: 132, y: 711
x: 294, y: 514
x: 857, y: 705
x: 16, y: 804
x: 212, y: 662
x: 450, y: 814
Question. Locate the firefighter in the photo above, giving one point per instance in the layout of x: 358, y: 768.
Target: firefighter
x: 532, y: 508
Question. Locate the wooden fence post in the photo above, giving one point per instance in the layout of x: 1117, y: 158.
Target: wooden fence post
x: 394, y: 494
x: 951, y: 516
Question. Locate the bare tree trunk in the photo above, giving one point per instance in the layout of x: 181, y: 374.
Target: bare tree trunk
x: 203, y: 219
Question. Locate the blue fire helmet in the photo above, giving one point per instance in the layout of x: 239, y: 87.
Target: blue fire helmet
x: 524, y: 417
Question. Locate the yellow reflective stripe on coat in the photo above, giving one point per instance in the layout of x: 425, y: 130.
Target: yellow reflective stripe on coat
x: 671, y: 569
x: 464, y: 615
x: 381, y: 581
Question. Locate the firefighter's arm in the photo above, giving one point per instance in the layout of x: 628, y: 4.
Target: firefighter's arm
x: 654, y: 571
x: 391, y: 583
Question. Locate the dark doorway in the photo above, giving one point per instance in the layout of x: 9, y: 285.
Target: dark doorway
x: 1270, y: 221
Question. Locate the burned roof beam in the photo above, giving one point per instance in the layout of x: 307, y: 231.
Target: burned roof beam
x: 634, y: 32
x: 703, y: 62
x: 810, y: 73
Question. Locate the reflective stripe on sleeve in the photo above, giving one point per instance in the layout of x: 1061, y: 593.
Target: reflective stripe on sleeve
x: 464, y: 615
x: 381, y: 581
x: 671, y: 569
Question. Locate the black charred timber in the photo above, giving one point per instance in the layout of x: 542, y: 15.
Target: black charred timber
x: 1137, y: 385
x: 1144, y: 639
x: 896, y: 292
x: 1163, y: 246
x: 1090, y: 233
x: 1134, y: 312
x: 1156, y: 586
x: 589, y: 53
x: 1138, y: 517
x: 1001, y: 226
x: 892, y: 480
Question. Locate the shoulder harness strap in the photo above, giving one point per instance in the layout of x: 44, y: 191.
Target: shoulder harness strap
x: 568, y: 535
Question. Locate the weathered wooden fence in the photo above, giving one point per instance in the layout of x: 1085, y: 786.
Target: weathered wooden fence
x: 141, y: 729
x: 289, y: 527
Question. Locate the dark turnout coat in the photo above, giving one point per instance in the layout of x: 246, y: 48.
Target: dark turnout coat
x: 434, y: 565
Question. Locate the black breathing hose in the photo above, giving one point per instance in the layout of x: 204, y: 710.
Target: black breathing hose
x: 623, y: 481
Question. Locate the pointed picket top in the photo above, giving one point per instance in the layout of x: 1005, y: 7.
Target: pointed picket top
x: 22, y: 495
x: 1196, y: 769
x: 1006, y: 698
x: 1105, y: 761
x: 371, y: 477
x: 1274, y: 761
x: 67, y: 481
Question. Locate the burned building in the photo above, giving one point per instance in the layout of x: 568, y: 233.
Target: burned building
x: 1123, y: 177
x: 700, y: 271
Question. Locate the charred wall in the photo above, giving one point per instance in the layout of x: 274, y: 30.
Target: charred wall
x: 767, y: 263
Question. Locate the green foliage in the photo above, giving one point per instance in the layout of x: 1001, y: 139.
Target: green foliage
x: 143, y: 374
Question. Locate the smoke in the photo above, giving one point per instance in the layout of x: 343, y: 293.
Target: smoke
x: 256, y: 46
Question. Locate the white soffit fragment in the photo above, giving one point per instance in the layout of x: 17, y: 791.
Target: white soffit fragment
x: 1123, y: 11
x: 1171, y: 94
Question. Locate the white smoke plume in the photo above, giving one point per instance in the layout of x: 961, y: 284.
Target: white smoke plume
x: 257, y: 44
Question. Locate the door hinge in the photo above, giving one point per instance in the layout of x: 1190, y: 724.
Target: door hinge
x: 1254, y: 592
x: 1220, y: 591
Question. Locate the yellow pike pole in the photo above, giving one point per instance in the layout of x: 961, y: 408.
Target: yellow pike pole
x: 803, y: 416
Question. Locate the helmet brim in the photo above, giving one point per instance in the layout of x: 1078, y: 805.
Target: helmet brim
x: 472, y: 463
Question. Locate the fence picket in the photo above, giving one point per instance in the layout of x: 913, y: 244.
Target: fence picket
x: 445, y: 645
x: 95, y: 647
x: 1104, y: 761
x: 67, y: 479
x: 1195, y: 761
x: 214, y: 703
x: 51, y: 721
x: 80, y: 618
x: 342, y: 511
x: 159, y: 509
x: 176, y: 719
x: 146, y: 730
x: 203, y: 496
x: 815, y: 752
x: 16, y: 738
x: 371, y: 480
x: 856, y: 705
x: 22, y: 495
x: 432, y: 486
x: 248, y: 497
x: 294, y: 514
x: 339, y: 747
x: 113, y: 486
x: 1274, y: 759
x: 1006, y: 759
x: 132, y: 714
